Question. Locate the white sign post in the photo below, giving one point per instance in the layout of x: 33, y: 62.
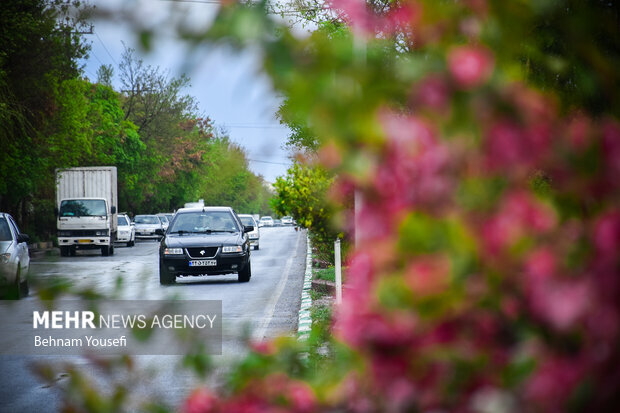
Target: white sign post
x: 338, y: 272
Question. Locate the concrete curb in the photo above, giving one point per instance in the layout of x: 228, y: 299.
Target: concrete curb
x: 304, y: 324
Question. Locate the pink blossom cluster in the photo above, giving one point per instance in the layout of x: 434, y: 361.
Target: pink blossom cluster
x: 275, y: 393
x: 514, y: 300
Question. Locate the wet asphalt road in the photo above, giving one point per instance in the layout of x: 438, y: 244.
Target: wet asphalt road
x: 267, y: 306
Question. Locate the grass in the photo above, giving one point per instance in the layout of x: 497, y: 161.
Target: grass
x: 327, y: 274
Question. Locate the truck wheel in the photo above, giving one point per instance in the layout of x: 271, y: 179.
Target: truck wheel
x: 245, y: 274
x: 165, y: 276
x: 111, y: 249
x: 105, y: 250
x: 64, y: 251
x: 255, y: 247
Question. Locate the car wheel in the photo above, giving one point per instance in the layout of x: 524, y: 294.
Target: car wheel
x: 111, y: 249
x: 72, y: 251
x: 23, y: 289
x: 245, y: 274
x: 256, y: 247
x: 64, y: 251
x: 105, y: 250
x: 165, y: 276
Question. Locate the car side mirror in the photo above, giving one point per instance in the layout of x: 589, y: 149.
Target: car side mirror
x: 23, y: 238
x: 248, y: 228
x: 113, y: 210
x: 159, y: 231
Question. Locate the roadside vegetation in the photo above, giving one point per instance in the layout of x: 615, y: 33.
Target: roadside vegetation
x: 166, y: 152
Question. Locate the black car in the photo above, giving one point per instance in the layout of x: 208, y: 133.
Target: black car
x: 205, y: 241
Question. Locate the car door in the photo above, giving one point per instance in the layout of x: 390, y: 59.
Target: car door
x: 21, y: 247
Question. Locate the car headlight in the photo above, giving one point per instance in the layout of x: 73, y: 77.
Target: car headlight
x: 173, y: 251
x: 232, y: 248
x: 101, y: 233
x: 4, y: 258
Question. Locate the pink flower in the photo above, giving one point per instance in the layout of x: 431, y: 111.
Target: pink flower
x: 611, y: 146
x: 428, y: 275
x: 432, y: 92
x: 540, y: 265
x: 470, y: 66
x: 607, y: 234
x: 201, y: 401
x: 553, y: 383
x: 506, y: 146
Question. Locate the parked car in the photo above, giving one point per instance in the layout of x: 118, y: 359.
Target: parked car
x: 287, y: 220
x: 14, y: 259
x: 126, y: 230
x: 265, y: 221
x: 254, y: 236
x: 277, y: 223
x: 148, y: 227
x: 165, y: 222
x: 205, y: 241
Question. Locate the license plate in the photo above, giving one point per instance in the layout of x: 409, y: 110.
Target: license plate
x: 84, y: 241
x: 203, y: 263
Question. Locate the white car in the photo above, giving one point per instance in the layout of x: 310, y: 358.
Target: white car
x: 253, y: 235
x: 148, y: 227
x: 265, y: 221
x: 126, y: 231
x: 287, y: 220
x: 165, y: 222
x: 14, y: 258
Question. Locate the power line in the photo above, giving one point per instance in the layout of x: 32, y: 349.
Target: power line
x: 106, y: 49
x: 273, y: 163
x: 252, y: 126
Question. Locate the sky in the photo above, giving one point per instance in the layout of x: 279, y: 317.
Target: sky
x: 228, y: 85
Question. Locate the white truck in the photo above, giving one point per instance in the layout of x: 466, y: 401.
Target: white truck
x: 86, y: 209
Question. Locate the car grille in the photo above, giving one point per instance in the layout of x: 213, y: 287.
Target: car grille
x: 209, y: 252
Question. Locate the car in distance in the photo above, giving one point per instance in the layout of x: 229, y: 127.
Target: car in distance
x: 287, y: 220
x: 165, y: 222
x: 265, y: 221
x: 205, y: 241
x: 148, y: 227
x: 126, y: 230
x: 14, y: 259
x: 277, y: 223
x: 248, y: 220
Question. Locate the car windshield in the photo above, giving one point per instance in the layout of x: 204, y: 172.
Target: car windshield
x: 82, y: 208
x: 205, y: 221
x: 266, y: 219
x: 122, y: 220
x: 163, y: 218
x: 5, y: 232
x: 247, y: 220
x: 147, y: 219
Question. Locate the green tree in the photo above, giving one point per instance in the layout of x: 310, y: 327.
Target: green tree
x: 40, y: 48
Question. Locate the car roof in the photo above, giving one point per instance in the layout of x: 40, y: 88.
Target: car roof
x: 205, y: 209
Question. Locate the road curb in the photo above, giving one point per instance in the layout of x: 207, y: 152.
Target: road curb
x: 304, y: 324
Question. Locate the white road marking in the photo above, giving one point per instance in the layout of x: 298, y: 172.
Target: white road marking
x: 259, y: 333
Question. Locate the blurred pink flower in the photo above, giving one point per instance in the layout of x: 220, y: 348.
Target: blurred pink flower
x: 611, y: 149
x: 470, y: 66
x: 606, y: 235
x: 540, y: 266
x: 428, y: 275
x: 553, y: 383
x: 201, y: 401
x: 432, y: 92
